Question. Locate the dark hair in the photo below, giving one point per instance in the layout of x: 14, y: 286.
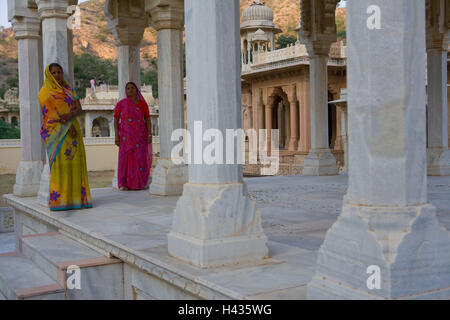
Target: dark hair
x: 54, y: 65
x: 131, y: 82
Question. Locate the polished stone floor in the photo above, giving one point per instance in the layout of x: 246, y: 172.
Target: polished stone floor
x: 296, y: 214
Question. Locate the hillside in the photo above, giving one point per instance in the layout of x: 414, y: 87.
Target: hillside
x: 94, y: 37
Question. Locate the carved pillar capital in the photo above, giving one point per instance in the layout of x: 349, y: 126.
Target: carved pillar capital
x: 291, y: 92
x: 26, y: 27
x: 127, y: 20
x: 54, y: 8
x: 166, y: 14
x: 318, y: 25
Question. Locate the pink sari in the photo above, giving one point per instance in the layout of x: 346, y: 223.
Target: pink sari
x: 135, y: 153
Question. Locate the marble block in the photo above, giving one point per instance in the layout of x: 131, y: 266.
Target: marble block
x: 28, y: 178
x: 168, y: 179
x: 44, y: 188
x: 320, y: 162
x: 408, y: 244
x: 216, y: 225
x: 438, y: 160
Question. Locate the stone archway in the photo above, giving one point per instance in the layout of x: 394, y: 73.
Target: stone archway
x: 100, y: 127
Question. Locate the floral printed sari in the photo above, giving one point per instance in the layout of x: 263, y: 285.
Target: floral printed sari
x: 69, y: 187
x: 135, y: 154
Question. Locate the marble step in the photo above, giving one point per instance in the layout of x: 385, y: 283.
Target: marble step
x: 21, y: 279
x: 55, y: 254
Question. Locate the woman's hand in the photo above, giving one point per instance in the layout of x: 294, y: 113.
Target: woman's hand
x: 65, y: 118
x: 117, y: 141
x: 72, y: 131
x: 149, y: 139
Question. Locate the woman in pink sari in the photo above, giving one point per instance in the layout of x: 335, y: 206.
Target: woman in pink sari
x: 134, y: 139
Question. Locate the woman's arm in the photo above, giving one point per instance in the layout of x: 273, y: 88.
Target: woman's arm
x: 116, y: 130
x: 75, y: 113
x: 149, y: 130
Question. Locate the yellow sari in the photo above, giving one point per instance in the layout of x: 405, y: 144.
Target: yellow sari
x: 69, y: 186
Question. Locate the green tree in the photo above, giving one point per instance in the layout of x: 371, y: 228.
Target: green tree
x: 9, y: 131
x: 88, y: 66
x: 2, y: 92
x: 283, y: 41
x: 13, y: 82
x: 150, y: 77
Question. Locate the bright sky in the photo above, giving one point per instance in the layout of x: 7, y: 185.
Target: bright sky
x: 4, y: 12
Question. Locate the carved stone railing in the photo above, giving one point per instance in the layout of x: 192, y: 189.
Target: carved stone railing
x: 293, y: 53
x: 9, y: 143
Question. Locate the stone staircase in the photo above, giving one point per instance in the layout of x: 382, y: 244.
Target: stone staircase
x: 44, y: 269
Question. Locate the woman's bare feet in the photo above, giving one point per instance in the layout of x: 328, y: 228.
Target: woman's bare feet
x: 124, y: 189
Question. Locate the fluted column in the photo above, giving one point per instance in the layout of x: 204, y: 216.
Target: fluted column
x: 215, y: 222
x: 168, y: 19
x: 318, y: 31
x: 387, y: 242
x: 292, y: 97
x: 303, y: 94
x: 268, y: 108
x: 438, y: 154
x: 26, y: 26
x: 319, y: 161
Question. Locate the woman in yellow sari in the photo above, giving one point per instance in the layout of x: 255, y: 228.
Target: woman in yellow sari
x: 69, y: 187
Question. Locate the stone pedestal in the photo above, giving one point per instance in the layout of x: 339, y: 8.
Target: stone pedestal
x: 28, y: 178
x: 27, y: 32
x: 387, y: 243
x: 215, y: 222
x: 168, y: 178
x: 216, y: 225
x: 44, y: 187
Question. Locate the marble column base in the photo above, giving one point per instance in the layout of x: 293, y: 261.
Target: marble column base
x: 438, y: 160
x: 408, y: 244
x: 216, y: 225
x: 320, y: 162
x: 115, y: 183
x: 28, y: 178
x: 44, y: 189
x: 168, y: 179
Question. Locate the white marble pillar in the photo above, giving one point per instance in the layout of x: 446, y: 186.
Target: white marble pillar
x: 320, y: 161
x: 438, y: 154
x: 55, y: 36
x: 387, y: 242
x: 129, y: 65
x: 168, y: 177
x: 55, y: 48
x: 27, y: 33
x: 215, y: 222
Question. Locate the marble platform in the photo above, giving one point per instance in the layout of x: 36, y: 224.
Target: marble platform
x: 133, y: 226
